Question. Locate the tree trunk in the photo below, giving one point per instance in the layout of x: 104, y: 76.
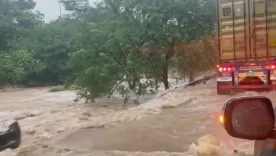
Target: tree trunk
x: 115, y: 87
x: 140, y: 90
x: 191, y: 76
x: 131, y: 85
x: 156, y: 82
x: 165, y: 75
x: 169, y: 55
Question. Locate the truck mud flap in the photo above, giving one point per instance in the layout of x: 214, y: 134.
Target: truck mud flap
x: 221, y: 90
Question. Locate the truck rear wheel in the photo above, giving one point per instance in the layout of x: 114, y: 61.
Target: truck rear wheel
x: 224, y: 91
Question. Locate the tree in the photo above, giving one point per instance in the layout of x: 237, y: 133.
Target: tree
x: 131, y: 41
x: 196, y: 57
x: 16, y: 65
x: 170, y: 23
x: 50, y: 43
x: 15, y: 18
x: 108, y: 59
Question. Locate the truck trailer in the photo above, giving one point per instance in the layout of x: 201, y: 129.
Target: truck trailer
x: 246, y: 45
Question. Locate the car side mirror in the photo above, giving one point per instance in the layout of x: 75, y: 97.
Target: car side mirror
x: 249, y: 118
x: 10, y: 138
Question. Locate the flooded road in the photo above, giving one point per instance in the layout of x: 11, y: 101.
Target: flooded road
x: 184, y: 118
x: 54, y: 125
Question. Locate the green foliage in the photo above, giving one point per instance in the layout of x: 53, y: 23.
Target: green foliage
x: 197, y: 57
x: 128, y: 42
x: 16, y: 65
x: 110, y: 46
x: 16, y: 18
x: 50, y: 43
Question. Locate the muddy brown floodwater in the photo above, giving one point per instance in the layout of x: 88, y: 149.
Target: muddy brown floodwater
x: 53, y: 125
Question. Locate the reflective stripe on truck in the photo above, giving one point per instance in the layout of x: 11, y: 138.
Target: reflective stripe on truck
x: 249, y: 86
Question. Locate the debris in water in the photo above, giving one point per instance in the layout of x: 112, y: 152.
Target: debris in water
x: 207, y: 146
x: 26, y: 115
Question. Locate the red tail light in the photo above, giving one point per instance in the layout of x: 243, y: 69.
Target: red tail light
x: 270, y: 66
x: 225, y: 69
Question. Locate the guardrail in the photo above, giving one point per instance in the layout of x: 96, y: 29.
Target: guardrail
x: 201, y: 80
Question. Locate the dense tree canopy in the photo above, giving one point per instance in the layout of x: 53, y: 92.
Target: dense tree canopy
x: 113, y: 44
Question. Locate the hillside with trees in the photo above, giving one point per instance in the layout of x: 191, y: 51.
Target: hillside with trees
x: 99, y: 47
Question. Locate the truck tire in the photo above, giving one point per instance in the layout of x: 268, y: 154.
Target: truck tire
x: 224, y: 91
